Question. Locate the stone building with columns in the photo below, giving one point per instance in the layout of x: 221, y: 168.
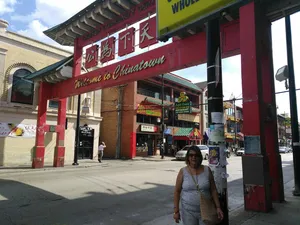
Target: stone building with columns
x: 20, y: 56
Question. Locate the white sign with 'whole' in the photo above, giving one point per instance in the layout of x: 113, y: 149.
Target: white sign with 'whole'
x: 147, y: 128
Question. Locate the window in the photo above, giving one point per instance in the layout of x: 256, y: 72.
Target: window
x: 22, y: 90
x: 53, y: 104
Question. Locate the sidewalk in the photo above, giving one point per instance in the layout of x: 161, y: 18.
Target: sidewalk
x: 85, y: 163
x: 287, y: 213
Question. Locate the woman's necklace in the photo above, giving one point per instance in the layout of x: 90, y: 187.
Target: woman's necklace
x: 197, y: 185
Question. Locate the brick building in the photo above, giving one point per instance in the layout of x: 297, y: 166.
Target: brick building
x: 132, y: 116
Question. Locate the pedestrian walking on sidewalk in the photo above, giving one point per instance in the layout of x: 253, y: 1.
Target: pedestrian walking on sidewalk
x: 193, y: 181
x: 100, y: 151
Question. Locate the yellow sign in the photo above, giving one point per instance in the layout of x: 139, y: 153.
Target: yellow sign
x: 183, y: 97
x: 173, y: 15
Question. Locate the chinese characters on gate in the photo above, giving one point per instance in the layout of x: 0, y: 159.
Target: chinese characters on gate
x: 126, y: 44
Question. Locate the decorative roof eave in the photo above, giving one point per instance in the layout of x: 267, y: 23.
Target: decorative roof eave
x: 89, y: 20
x: 54, y: 73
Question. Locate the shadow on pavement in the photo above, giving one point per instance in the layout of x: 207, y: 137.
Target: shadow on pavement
x: 22, y: 204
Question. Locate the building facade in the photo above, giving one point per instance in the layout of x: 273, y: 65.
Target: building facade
x: 19, y: 57
x: 134, y: 112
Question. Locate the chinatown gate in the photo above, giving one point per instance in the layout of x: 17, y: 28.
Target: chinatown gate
x: 247, y: 32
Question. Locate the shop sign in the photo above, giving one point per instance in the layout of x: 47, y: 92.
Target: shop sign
x: 148, y: 110
x: 108, y: 50
x: 92, y: 56
x: 148, y: 33
x: 148, y: 128
x: 189, y: 118
x: 120, y: 70
x: 126, y: 42
x: 17, y: 130
x: 183, y: 105
x: 175, y: 15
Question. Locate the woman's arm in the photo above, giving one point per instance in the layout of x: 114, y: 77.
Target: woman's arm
x: 177, y: 190
x: 213, y: 189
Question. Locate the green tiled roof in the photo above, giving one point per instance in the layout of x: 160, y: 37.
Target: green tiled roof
x: 157, y: 101
x: 183, y: 132
x: 49, y: 69
x: 183, y: 82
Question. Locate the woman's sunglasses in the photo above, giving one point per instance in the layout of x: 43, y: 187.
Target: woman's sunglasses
x: 194, y: 155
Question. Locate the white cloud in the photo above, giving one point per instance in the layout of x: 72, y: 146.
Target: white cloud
x: 51, y: 13
x: 7, y: 6
x: 48, y: 14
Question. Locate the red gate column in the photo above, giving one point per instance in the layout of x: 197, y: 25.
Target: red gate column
x: 77, y: 58
x: 256, y: 175
x: 59, y: 154
x: 270, y: 126
x: 41, y: 127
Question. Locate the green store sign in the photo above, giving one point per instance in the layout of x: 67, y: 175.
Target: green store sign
x: 183, y: 107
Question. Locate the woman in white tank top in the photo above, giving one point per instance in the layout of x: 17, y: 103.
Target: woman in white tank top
x: 186, y: 189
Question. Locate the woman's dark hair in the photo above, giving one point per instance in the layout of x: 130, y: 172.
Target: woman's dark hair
x: 196, y: 149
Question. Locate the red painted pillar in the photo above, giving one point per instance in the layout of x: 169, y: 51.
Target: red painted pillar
x: 270, y: 123
x: 257, y: 184
x: 59, y: 154
x: 133, y: 145
x: 77, y: 58
x: 39, y: 150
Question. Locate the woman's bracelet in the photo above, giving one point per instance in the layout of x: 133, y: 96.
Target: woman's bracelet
x: 176, y: 212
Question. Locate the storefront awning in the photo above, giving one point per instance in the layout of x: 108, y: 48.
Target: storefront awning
x: 187, y: 134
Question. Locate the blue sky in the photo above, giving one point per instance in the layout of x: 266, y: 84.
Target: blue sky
x: 32, y: 17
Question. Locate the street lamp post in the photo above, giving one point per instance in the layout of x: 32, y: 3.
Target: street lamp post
x: 162, y: 117
x: 293, y: 107
x: 75, y: 162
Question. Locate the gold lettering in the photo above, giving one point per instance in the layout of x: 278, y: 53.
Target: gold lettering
x: 120, y: 70
x: 107, y: 76
x: 146, y: 65
x: 94, y: 80
x: 116, y: 72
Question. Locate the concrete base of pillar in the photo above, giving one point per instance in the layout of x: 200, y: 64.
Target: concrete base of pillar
x: 59, y: 157
x: 38, y: 158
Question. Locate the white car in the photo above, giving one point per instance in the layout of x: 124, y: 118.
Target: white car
x: 180, y: 155
x: 240, y: 152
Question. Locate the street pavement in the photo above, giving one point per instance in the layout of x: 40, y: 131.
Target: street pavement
x: 126, y: 192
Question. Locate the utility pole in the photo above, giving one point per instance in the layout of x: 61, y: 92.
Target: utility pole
x: 119, y: 129
x: 76, y: 149
x: 293, y: 107
x: 216, y: 114
x: 235, y: 123
x: 162, y: 117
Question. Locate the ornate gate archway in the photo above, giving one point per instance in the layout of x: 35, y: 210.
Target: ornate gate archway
x: 248, y: 33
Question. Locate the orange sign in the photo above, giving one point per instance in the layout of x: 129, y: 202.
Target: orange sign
x: 148, y: 110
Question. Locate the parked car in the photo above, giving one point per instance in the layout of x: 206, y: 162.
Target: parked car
x: 180, y: 155
x: 283, y: 149
x: 240, y: 152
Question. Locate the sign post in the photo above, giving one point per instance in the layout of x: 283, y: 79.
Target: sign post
x: 217, y: 156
